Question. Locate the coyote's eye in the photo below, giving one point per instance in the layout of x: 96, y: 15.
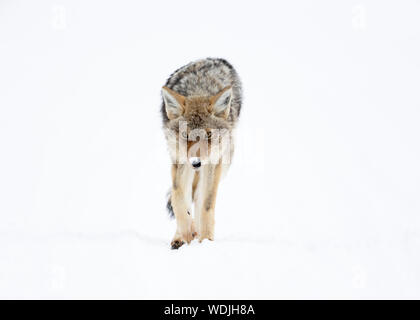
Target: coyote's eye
x: 184, y: 134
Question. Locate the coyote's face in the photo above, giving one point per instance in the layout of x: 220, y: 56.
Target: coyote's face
x: 198, y: 131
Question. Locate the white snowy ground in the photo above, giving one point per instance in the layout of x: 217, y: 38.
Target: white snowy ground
x: 322, y: 200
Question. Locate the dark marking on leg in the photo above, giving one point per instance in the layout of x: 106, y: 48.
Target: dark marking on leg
x: 209, y: 202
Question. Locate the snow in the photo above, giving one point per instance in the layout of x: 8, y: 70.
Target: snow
x: 322, y: 199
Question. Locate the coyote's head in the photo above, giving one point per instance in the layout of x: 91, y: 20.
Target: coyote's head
x: 198, y: 129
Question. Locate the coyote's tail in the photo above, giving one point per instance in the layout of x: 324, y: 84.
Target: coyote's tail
x: 169, y: 205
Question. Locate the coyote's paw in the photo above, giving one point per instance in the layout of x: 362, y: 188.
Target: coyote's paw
x: 185, y: 235
x: 176, y: 244
x: 206, y: 235
x: 206, y: 231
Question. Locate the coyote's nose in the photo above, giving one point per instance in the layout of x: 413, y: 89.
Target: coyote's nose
x: 195, y: 162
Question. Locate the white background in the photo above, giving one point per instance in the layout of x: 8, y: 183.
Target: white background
x: 322, y: 199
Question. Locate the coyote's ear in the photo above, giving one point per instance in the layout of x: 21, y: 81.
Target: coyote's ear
x: 220, y: 103
x: 174, y: 103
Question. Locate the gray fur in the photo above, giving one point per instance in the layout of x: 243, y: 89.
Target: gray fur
x: 206, y: 77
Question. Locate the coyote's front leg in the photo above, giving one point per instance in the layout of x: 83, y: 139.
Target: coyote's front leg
x: 182, y: 177
x: 209, y: 184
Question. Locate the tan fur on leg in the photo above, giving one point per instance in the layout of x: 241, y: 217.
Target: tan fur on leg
x: 195, y: 194
x: 210, y: 182
x: 182, y: 177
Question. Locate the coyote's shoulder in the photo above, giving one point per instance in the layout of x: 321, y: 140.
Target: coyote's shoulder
x: 206, y: 77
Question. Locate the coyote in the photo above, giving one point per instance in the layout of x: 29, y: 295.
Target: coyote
x: 200, y: 108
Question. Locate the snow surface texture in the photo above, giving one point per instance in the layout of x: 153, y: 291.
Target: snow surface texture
x: 322, y: 200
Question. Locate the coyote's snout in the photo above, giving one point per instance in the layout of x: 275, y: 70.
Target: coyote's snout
x: 201, y: 105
